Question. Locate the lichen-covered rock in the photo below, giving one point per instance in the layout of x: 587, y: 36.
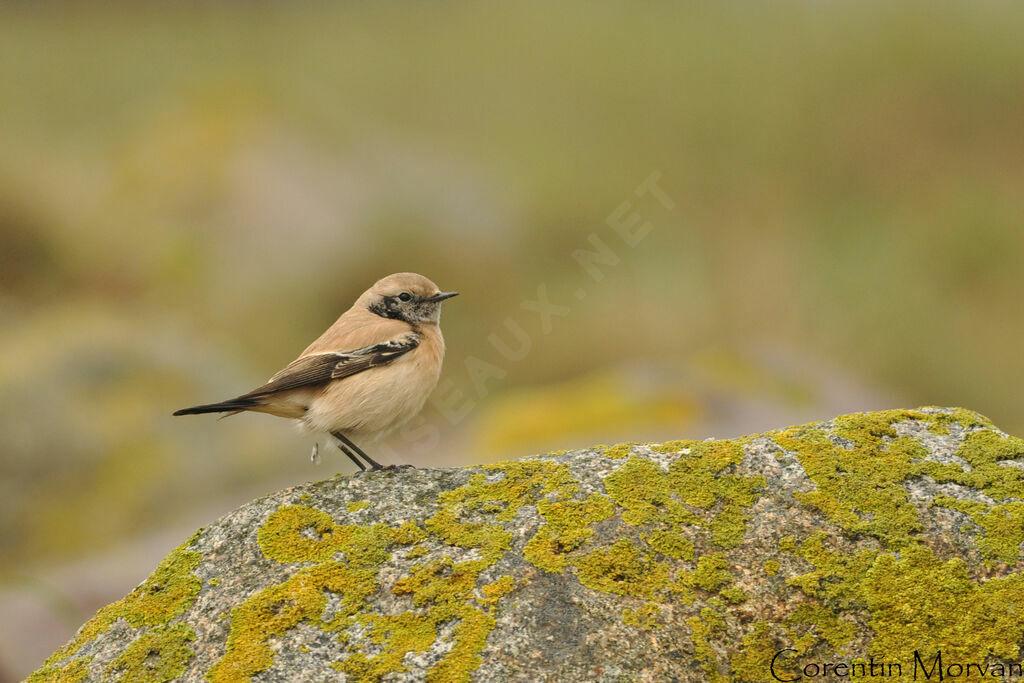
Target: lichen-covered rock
x: 856, y: 542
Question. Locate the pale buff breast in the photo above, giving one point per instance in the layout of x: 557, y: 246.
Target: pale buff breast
x: 365, y: 407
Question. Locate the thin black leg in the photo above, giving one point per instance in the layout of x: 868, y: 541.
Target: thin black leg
x: 348, y: 442
x: 344, y: 449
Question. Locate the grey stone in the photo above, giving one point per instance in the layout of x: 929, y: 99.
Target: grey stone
x: 868, y: 536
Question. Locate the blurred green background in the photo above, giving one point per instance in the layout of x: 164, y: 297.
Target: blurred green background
x: 190, y: 193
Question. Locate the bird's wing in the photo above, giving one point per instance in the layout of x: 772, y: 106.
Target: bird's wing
x: 320, y: 368
x: 355, y: 329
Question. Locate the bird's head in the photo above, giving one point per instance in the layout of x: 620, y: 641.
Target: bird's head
x: 405, y: 296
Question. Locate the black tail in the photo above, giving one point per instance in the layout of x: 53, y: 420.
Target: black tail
x: 222, y: 407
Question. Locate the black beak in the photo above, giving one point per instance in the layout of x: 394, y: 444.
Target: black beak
x: 442, y: 296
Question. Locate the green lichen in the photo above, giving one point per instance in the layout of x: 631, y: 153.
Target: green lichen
x: 967, y: 419
x: 651, y: 495
x: 358, y: 505
x: 670, y: 543
x: 914, y: 601
x: 524, y: 482
x: 918, y: 602
x: 470, y: 638
x: 645, y: 617
x: 729, y: 526
x: 641, y: 487
x: 346, y: 557
x: 984, y: 451
x: 702, y: 630
x: 417, y: 552
x: 168, y: 592
x: 75, y: 671
x: 733, y: 595
x: 619, y: 450
x: 754, y: 657
x: 823, y: 622
x: 299, y: 533
x: 858, y: 488
x: 836, y: 577
x: 696, y: 476
x: 696, y: 492
x: 787, y: 544
x: 1004, y: 532
x: 1003, y: 526
x: 680, y: 522
x: 568, y: 526
x: 277, y: 609
x: 711, y: 574
x: 408, y: 534
x: 622, y: 569
x: 157, y: 656
x: 496, y: 590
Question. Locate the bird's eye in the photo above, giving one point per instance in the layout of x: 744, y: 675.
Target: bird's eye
x: 405, y: 296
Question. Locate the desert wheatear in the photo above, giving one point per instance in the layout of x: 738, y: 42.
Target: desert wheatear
x: 367, y: 374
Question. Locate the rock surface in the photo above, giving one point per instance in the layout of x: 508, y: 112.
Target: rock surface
x: 853, y: 542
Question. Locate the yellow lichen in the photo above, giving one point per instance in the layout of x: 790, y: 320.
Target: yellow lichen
x: 441, y: 589
x: 670, y: 543
x: 619, y: 450
x: 358, y: 505
x: 858, y: 488
x: 299, y: 533
x: 163, y: 596
x: 497, y: 590
x: 729, y: 526
x: 645, y: 617
x: 408, y: 534
x: 157, y: 656
x: 277, y: 609
x: 919, y: 602
x: 756, y: 652
x: 417, y: 552
x: 858, y: 464
x: 1003, y: 525
x: 650, y: 495
x: 75, y: 671
x: 711, y: 574
x: 702, y: 630
x: 568, y: 527
x: 622, y: 569
x: 640, y: 486
x: 984, y: 451
x: 823, y: 622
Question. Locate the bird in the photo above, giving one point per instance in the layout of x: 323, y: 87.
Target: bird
x: 368, y: 374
